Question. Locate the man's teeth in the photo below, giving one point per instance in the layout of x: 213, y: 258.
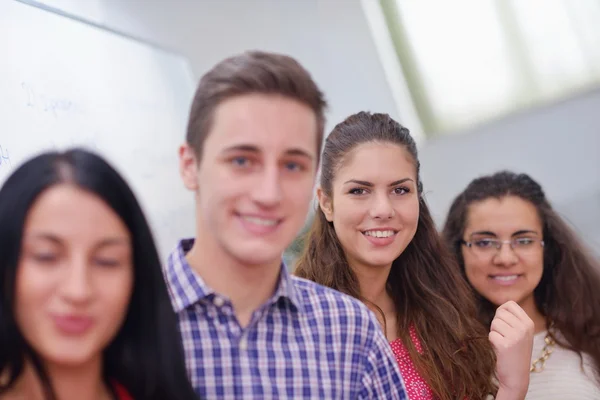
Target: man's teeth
x: 506, y: 278
x: 260, y: 221
x: 379, y: 234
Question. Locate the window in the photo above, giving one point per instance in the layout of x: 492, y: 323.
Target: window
x: 469, y: 61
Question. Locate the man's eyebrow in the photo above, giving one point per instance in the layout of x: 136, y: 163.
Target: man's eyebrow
x: 254, y: 149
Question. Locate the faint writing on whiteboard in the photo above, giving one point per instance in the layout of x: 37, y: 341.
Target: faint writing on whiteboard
x: 55, y: 105
x: 4, y: 158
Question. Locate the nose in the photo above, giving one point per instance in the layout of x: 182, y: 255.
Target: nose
x: 382, y: 207
x: 267, y: 190
x: 77, y: 285
x: 505, y: 256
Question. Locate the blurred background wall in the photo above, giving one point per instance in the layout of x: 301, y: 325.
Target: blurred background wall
x: 483, y: 84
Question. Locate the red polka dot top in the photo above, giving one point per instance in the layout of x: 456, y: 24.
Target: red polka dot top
x: 416, y: 386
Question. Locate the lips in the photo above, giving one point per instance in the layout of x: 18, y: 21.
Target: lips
x: 260, y: 221
x: 380, y: 236
x: 378, y: 233
x: 505, y: 279
x: 73, y: 325
x: 259, y: 224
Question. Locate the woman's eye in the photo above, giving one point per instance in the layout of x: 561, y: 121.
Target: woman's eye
x: 107, y: 262
x: 357, y: 191
x: 524, y: 241
x: 45, y: 257
x: 484, y: 243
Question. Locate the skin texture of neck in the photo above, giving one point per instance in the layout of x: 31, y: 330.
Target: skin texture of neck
x: 247, y: 286
x: 373, y: 282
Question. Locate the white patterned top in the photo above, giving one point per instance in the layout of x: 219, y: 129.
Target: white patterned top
x: 563, y: 377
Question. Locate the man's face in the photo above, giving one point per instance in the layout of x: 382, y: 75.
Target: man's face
x: 255, y: 179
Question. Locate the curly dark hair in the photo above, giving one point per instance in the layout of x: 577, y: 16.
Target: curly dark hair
x: 568, y: 294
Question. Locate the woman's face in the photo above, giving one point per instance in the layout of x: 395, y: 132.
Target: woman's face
x: 74, y: 277
x: 375, y: 205
x: 513, y: 271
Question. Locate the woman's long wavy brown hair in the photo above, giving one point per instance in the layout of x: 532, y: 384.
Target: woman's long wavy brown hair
x: 458, y: 360
x: 568, y: 294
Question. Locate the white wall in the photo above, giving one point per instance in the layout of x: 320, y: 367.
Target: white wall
x: 329, y: 37
x: 558, y: 145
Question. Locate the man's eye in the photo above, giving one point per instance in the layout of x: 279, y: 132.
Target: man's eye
x: 240, y: 161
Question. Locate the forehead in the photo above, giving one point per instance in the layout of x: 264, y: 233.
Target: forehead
x: 271, y: 123
x: 68, y: 210
x: 377, y: 162
x: 505, y: 215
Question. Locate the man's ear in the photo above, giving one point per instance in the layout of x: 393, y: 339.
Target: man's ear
x: 188, y: 167
x: 325, y: 204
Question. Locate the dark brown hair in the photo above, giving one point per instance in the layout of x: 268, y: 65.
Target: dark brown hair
x: 458, y: 360
x: 248, y: 73
x: 568, y: 294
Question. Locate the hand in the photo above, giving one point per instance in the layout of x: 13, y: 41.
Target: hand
x: 511, y: 334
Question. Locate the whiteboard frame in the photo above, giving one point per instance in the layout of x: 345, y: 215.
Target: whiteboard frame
x: 77, y: 18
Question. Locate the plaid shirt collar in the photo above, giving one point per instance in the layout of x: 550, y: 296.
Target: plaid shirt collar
x: 187, y: 288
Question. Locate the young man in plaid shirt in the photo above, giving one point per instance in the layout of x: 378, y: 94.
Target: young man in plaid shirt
x: 249, y: 329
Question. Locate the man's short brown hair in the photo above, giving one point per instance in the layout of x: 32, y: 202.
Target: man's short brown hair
x: 247, y: 73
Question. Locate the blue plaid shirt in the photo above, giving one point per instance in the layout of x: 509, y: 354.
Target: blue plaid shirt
x: 306, y: 342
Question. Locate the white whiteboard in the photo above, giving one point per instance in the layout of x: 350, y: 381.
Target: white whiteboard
x: 65, y: 83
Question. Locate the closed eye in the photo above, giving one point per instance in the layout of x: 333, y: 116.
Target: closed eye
x: 106, y: 262
x: 45, y: 258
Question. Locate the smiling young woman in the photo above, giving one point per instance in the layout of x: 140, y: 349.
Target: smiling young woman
x: 84, y: 308
x: 373, y: 238
x: 510, y: 244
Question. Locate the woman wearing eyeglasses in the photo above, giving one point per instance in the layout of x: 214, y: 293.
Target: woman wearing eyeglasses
x: 511, y: 245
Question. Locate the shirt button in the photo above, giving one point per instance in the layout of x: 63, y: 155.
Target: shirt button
x: 243, y: 344
x: 218, y: 301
